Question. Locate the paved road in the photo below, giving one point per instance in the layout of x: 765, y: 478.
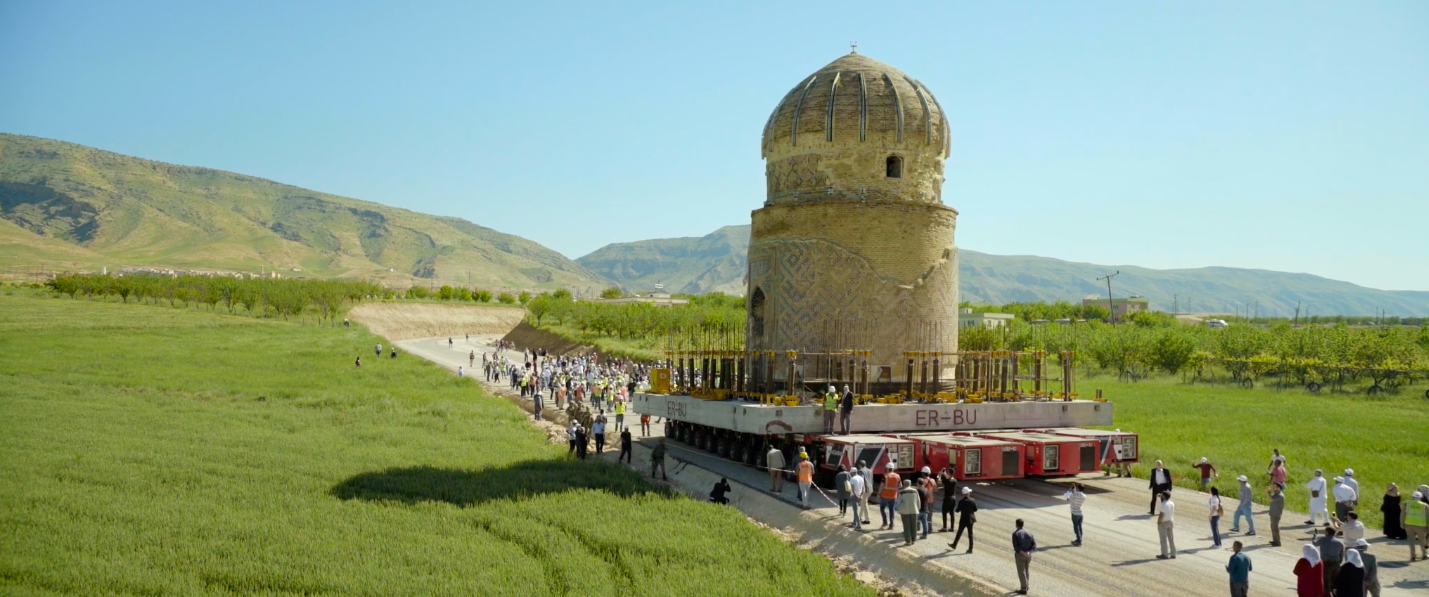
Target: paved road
x: 1120, y: 539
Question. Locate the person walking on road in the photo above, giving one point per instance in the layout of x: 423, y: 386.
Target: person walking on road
x: 1239, y: 570
x: 619, y: 415
x: 927, y: 491
x: 1318, y: 488
x: 1208, y: 472
x: 1350, y: 582
x: 806, y: 479
x: 644, y: 424
x: 1160, y: 483
x: 775, y: 462
x: 1277, y: 509
x: 967, y: 517
x: 394, y: 352
x: 1371, y: 567
x: 571, y: 433
x: 1075, y: 498
x: 1332, y: 553
x: 377, y: 350
x: 1246, y: 497
x: 1216, y: 511
x: 1414, y: 517
x: 886, y: 499
x: 906, y: 504
x: 841, y: 489
x: 1023, y: 544
x: 1352, y: 530
x: 625, y: 444
x: 1309, y: 573
x: 599, y: 429
x: 831, y: 407
x: 582, y: 442
x: 1355, y: 485
x: 538, y: 405
x: 950, y: 499
x: 857, y: 493
x: 846, y: 411
x: 471, y: 359
x: 1390, y: 509
x: 657, y: 460
x: 1166, y: 527
x: 869, y: 489
x: 1345, y: 498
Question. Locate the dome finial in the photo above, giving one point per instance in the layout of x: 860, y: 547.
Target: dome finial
x: 853, y: 47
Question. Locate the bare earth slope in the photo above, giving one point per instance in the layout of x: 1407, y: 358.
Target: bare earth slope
x: 68, y: 205
x: 400, y: 321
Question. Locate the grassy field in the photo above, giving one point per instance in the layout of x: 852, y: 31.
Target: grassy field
x: 1383, y: 438
x: 160, y: 451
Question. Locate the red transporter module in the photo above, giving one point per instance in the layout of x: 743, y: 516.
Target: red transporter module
x: 877, y: 451
x: 970, y: 457
x: 1051, y: 455
x: 1113, y: 447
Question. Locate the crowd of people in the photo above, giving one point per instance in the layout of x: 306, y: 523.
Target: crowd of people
x: 1336, y: 563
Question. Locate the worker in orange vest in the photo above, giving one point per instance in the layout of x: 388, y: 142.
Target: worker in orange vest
x: 888, y: 496
x: 806, y: 478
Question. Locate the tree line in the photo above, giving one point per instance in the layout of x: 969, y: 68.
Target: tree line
x: 712, y: 321
x: 259, y: 297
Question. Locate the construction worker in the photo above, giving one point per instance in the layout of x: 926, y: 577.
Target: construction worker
x: 806, y: 479
x: 619, y: 415
x: 1414, y: 515
x: 887, y: 497
x: 831, y: 408
x: 846, y: 410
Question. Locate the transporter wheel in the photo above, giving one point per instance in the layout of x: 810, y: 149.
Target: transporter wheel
x: 675, y: 431
x: 1313, y: 387
x: 724, y: 447
x: 702, y: 439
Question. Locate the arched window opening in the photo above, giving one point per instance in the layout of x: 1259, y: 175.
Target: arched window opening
x: 895, y: 166
x: 756, y: 312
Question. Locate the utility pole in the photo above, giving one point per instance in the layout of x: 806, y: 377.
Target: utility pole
x: 1175, y: 305
x: 1110, y: 307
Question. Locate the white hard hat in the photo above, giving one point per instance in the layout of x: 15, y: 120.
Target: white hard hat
x: 1203, y: 460
x: 1241, y: 478
x: 967, y: 490
x: 1417, y: 496
x: 1339, y: 479
x: 1349, y: 472
x: 831, y: 388
x: 927, y: 471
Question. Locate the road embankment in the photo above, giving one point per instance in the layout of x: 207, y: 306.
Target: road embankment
x: 402, y: 321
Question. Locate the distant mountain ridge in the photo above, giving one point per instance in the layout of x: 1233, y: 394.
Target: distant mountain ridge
x: 718, y: 262
x: 68, y: 206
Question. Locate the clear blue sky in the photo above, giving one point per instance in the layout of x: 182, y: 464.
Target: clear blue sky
x: 1280, y: 135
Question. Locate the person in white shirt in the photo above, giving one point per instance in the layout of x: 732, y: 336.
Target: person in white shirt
x: 1214, y: 505
x: 1344, y: 498
x: 857, y: 495
x: 867, y: 474
x: 1076, y: 498
x: 1355, y: 485
x: 1166, y: 527
x: 1352, y: 529
x: 1319, y: 499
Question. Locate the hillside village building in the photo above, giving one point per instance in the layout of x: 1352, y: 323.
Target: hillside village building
x: 853, y: 248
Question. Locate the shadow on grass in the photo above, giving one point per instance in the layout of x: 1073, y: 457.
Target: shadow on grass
x: 527, y: 479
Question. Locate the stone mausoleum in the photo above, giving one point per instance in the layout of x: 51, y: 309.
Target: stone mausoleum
x: 853, y: 248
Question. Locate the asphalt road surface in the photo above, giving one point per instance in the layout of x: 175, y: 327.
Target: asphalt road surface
x: 1120, y: 542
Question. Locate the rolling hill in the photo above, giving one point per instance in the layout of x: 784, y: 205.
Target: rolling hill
x: 67, y: 206
x: 717, y: 262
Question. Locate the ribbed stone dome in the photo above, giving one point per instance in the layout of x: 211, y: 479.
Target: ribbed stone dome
x: 859, y: 99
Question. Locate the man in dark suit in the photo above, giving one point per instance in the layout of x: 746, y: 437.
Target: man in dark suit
x: 1160, y: 483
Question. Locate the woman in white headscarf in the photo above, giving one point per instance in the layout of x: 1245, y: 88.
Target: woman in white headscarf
x: 1310, y: 572
x: 1350, y: 582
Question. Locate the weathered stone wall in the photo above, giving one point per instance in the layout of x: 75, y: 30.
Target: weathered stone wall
x: 844, y: 256
x: 880, y: 276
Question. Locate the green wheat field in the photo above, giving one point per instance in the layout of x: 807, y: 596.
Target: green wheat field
x: 150, y: 451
